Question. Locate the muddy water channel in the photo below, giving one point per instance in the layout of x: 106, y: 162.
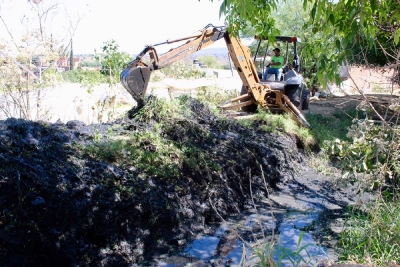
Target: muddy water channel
x: 296, y: 224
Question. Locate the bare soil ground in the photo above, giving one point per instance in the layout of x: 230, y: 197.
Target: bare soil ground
x: 328, y: 106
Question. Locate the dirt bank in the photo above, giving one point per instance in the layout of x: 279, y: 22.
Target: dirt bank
x: 67, y: 199
x: 62, y: 206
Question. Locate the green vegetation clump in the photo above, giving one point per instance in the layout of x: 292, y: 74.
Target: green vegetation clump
x: 210, y: 62
x: 90, y: 64
x: 327, y: 129
x: 84, y: 76
x: 372, y: 237
x: 112, y: 61
x: 214, y: 96
x: 270, y: 122
x: 181, y: 70
x: 152, y: 151
x: 368, y: 153
x: 148, y: 151
x: 370, y: 149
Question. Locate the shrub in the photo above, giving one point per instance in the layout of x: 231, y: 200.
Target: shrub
x: 210, y: 61
x: 373, y: 150
x: 181, y: 70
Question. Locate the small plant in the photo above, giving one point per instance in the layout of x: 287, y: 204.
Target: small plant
x: 264, y: 256
x: 97, y: 135
x: 275, y: 254
x: 294, y: 256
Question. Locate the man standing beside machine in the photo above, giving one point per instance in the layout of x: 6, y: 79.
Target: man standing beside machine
x: 275, y: 67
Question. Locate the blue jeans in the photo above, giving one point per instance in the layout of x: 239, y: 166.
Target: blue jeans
x: 276, y: 71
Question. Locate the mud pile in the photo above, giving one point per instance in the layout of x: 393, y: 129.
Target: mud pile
x: 61, y: 206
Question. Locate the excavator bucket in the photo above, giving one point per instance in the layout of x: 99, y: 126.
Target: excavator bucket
x: 135, y: 81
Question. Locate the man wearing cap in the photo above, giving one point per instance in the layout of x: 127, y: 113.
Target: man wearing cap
x: 275, y: 67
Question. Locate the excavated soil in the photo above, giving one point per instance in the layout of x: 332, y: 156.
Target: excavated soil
x: 61, y: 206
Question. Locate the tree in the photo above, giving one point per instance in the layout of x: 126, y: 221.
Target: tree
x: 337, y: 26
x: 112, y: 61
x: 23, y: 79
x: 210, y: 61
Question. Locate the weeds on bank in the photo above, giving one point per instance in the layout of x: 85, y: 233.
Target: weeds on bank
x: 373, y: 150
x: 329, y: 128
x: 277, y: 255
x: 160, y: 109
x: 151, y: 150
x: 147, y: 151
x: 270, y: 122
x: 369, y: 155
x: 372, y: 238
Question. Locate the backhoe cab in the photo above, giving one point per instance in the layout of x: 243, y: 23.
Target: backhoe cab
x: 136, y: 75
x: 290, y: 46
x: 291, y: 83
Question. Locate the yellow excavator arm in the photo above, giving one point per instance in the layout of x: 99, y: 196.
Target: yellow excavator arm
x: 136, y: 75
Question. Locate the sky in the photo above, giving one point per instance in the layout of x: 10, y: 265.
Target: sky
x: 131, y: 23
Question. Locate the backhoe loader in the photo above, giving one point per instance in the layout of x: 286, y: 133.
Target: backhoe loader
x: 265, y: 94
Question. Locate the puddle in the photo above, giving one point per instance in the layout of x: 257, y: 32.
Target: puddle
x: 298, y: 217
x: 203, y: 248
x: 225, y: 248
x: 296, y: 244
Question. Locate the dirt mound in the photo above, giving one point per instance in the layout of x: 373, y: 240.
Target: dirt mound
x: 62, y: 206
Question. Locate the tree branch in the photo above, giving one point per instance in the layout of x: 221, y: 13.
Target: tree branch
x: 9, y: 33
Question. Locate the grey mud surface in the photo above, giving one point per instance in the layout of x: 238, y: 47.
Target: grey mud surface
x: 310, y: 208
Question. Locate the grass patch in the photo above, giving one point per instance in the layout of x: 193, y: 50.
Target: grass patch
x: 326, y: 131
x: 270, y: 122
x: 147, y: 151
x: 330, y: 128
x: 199, y: 161
x: 372, y: 238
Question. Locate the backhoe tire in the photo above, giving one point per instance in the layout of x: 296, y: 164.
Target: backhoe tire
x: 251, y: 108
x: 293, y: 92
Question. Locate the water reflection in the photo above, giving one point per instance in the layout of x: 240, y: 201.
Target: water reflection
x: 227, y: 249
